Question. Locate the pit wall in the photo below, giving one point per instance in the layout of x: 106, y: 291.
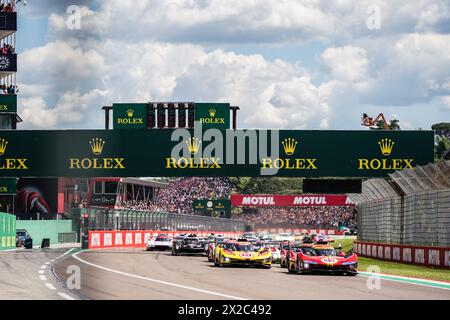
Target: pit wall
x: 138, y: 239
x: 7, y: 231
x: 418, y: 255
x: 45, y: 229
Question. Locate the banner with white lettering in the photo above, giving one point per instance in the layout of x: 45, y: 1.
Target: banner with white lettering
x: 244, y: 200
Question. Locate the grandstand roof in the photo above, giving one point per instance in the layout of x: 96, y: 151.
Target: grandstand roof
x: 144, y: 182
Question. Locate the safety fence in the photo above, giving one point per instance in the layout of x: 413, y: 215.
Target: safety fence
x: 7, y: 231
x: 412, y: 208
x: 113, y: 219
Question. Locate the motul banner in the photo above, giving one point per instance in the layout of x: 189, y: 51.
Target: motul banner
x: 245, y: 200
x: 138, y: 239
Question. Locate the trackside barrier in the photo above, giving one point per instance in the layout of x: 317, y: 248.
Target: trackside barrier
x: 138, y: 239
x: 418, y: 255
x: 7, y: 231
x: 328, y: 232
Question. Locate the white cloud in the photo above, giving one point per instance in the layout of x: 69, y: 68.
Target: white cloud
x: 346, y: 63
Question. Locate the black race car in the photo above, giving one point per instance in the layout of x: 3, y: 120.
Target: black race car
x: 23, y: 239
x: 189, y: 245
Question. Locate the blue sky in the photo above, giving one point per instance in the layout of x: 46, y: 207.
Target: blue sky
x: 298, y: 64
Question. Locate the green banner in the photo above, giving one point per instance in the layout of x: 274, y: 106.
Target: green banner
x: 170, y: 153
x: 130, y: 115
x: 8, y: 186
x: 8, y: 103
x: 7, y: 231
x: 213, y: 115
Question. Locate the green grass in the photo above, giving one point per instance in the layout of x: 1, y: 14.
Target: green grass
x: 394, y: 268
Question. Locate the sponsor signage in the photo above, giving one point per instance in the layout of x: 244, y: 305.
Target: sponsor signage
x: 213, y: 207
x: 242, y: 200
x: 8, y: 186
x: 130, y: 115
x: 8, y: 103
x: 213, y: 115
x: 103, y: 200
x: 7, y: 231
x: 174, y: 153
x: 8, y: 63
x: 8, y: 21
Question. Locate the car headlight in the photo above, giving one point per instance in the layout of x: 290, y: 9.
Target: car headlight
x: 310, y: 262
x: 306, y: 265
x: 349, y: 263
x: 226, y: 259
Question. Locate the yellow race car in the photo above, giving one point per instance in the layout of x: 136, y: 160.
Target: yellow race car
x: 242, y: 253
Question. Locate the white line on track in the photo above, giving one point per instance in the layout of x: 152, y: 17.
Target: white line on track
x: 43, y: 278
x: 50, y: 286
x: 408, y: 280
x: 41, y: 271
x: 44, y: 267
x: 65, y: 296
x: 75, y: 256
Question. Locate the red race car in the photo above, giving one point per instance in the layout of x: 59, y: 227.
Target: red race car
x: 324, y: 258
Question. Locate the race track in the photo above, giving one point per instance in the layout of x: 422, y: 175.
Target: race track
x: 137, y: 274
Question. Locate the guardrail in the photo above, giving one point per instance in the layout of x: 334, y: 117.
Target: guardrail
x: 113, y: 219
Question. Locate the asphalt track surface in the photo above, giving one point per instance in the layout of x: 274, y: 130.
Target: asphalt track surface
x: 137, y: 274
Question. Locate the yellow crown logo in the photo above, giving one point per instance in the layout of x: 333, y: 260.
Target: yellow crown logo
x: 212, y: 112
x: 193, y: 145
x: 3, y: 145
x: 386, y: 146
x: 130, y: 113
x: 97, y: 145
x: 289, y: 145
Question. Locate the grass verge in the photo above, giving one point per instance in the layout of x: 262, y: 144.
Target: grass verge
x: 394, y: 268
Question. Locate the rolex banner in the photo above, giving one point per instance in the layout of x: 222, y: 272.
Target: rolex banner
x: 8, y: 103
x: 213, y: 115
x: 166, y: 153
x: 130, y: 115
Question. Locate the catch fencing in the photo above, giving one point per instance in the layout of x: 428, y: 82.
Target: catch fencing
x: 114, y: 219
x: 412, y: 208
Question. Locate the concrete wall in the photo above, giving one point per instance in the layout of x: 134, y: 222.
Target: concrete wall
x: 45, y: 229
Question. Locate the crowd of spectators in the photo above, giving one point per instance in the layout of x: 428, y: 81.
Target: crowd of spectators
x: 8, y: 7
x: 7, y: 49
x: 8, y: 89
x: 180, y: 193
x: 314, y: 217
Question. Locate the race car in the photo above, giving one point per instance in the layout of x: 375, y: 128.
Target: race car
x: 189, y: 245
x: 291, y: 255
x: 276, y: 253
x: 211, y: 249
x: 324, y: 258
x: 284, y: 248
x: 161, y: 242
x: 242, y: 253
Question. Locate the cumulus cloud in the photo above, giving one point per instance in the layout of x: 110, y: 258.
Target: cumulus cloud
x: 159, y: 50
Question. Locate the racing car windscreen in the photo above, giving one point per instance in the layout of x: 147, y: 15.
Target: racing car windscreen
x: 324, y: 252
x: 244, y: 247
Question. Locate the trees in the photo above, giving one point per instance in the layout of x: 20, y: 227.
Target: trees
x: 442, y: 139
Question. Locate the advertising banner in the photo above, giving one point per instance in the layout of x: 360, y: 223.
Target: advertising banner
x: 8, y: 62
x: 175, y: 153
x: 7, y: 231
x: 130, y: 115
x: 138, y: 239
x: 8, y: 103
x: 213, y: 115
x: 245, y: 200
x: 8, y: 186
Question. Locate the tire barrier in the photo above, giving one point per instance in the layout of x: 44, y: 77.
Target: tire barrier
x: 417, y: 255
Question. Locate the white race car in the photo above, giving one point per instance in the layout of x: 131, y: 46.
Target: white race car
x: 161, y: 242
